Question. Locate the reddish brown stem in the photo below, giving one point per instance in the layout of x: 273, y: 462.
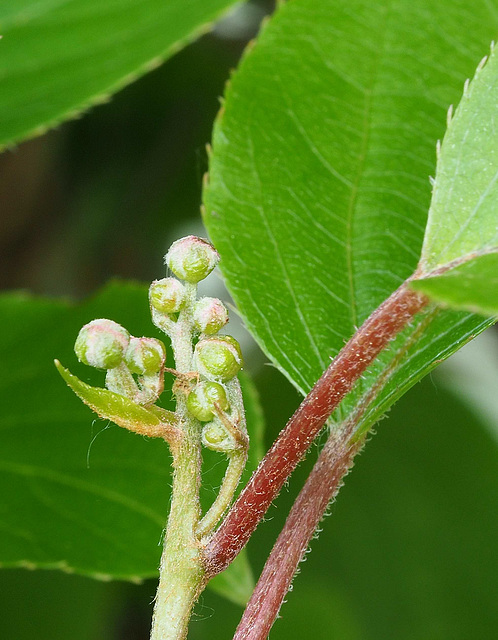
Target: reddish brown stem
x: 320, y: 488
x: 293, y: 442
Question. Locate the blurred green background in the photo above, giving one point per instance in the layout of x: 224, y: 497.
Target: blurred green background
x: 410, y: 549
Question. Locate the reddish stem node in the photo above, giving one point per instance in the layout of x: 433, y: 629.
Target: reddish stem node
x: 293, y: 442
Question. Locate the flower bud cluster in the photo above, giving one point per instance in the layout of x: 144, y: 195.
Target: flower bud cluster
x: 191, y: 259
x: 105, y: 344
x: 217, y: 359
x: 135, y: 366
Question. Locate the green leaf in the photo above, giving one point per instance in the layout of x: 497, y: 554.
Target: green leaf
x: 319, y: 189
x: 58, y: 606
x: 78, y: 493
x: 472, y: 285
x: 112, y: 406
x: 58, y: 58
x: 459, y: 264
x: 462, y: 217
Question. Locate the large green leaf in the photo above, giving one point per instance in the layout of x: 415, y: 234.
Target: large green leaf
x: 59, y: 57
x: 50, y: 604
x: 319, y: 178
x: 79, y: 493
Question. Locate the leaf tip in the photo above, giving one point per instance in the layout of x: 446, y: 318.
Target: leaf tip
x: 59, y: 367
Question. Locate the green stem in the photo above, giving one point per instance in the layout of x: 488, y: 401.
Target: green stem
x: 181, y: 570
x: 237, y: 460
x: 236, y: 465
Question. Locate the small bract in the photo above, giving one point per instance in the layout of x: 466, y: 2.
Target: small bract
x: 192, y: 258
x: 218, y: 357
x: 167, y: 295
x: 101, y: 343
x: 210, y: 315
x: 202, y: 400
x: 145, y: 356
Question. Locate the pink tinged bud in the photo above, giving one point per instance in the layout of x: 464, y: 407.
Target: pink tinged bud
x: 210, y: 315
x: 101, y: 344
x: 167, y: 295
x: 145, y: 356
x: 192, y: 259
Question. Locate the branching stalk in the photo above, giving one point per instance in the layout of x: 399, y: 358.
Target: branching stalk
x: 372, y: 337
x: 237, y: 458
x: 236, y: 465
x: 181, y: 572
x: 322, y: 485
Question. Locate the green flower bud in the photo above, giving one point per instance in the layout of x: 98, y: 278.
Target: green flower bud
x: 203, y: 397
x: 102, y: 343
x: 216, y: 437
x: 210, y: 315
x: 218, y: 357
x: 167, y: 295
x: 145, y: 356
x: 192, y: 259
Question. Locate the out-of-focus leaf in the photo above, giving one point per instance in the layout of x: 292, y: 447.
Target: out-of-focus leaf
x: 78, y: 493
x: 319, y: 189
x: 58, y: 58
x: 49, y: 604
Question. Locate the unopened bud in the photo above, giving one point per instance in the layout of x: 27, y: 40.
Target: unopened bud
x: 210, y: 315
x: 216, y: 437
x: 102, y: 343
x: 192, y: 259
x: 167, y: 295
x: 218, y: 357
x: 145, y: 356
x: 202, y: 400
